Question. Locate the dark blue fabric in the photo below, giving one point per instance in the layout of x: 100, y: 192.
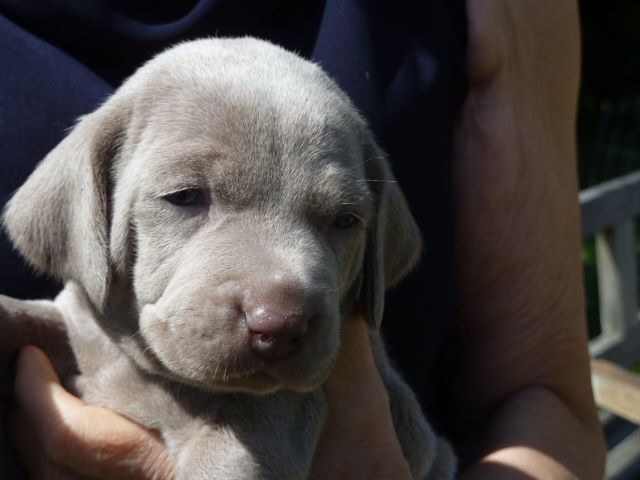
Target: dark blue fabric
x: 42, y: 92
x: 402, y: 63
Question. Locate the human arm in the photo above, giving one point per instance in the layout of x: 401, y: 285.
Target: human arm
x: 520, y: 394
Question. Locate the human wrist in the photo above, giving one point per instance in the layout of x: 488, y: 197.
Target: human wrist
x: 535, y: 434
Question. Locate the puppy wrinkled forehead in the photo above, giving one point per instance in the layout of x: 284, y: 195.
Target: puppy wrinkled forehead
x: 274, y: 167
x: 267, y: 125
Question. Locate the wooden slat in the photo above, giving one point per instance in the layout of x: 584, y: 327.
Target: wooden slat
x: 617, y: 277
x: 608, y: 211
x: 610, y: 203
x: 622, y: 348
x: 616, y: 390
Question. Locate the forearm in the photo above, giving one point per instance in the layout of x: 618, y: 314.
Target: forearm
x: 534, y: 435
x: 521, y: 320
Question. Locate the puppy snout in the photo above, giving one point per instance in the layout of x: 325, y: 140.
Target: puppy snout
x: 274, y: 334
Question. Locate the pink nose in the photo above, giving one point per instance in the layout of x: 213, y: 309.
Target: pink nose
x: 273, y: 334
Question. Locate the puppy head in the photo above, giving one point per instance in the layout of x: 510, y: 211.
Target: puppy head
x: 223, y: 211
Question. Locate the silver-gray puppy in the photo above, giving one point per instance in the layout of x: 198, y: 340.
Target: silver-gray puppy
x: 214, y: 221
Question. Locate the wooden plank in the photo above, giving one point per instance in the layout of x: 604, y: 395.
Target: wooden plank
x: 610, y: 203
x: 621, y: 348
x: 616, y: 390
x: 608, y: 211
x: 623, y: 456
x: 617, y: 277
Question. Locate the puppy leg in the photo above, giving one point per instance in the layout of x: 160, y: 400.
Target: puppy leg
x: 32, y: 322
x: 27, y: 323
x: 444, y: 463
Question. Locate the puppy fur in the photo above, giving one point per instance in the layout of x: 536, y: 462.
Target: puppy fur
x: 291, y: 209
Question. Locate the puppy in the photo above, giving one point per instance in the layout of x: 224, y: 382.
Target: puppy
x: 214, y: 221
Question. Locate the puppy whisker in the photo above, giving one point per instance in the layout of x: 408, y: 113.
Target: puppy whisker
x: 377, y: 180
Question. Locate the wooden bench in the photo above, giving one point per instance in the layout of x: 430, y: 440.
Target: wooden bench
x: 609, y: 211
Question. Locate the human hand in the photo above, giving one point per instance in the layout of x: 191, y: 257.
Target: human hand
x: 359, y: 420
x: 59, y: 436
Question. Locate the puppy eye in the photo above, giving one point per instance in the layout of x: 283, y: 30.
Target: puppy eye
x: 185, y: 198
x: 346, y: 220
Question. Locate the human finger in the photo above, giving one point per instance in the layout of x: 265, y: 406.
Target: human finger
x: 86, y: 439
x: 33, y: 458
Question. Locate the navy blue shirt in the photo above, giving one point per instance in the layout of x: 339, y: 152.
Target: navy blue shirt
x: 401, y: 62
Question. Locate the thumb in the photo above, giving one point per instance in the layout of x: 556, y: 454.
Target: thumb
x: 38, y: 386
x: 87, y: 439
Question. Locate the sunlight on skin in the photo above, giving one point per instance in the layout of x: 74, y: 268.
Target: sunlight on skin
x: 66, y: 432
x: 521, y: 321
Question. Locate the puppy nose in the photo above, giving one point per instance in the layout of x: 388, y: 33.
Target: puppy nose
x: 274, y: 334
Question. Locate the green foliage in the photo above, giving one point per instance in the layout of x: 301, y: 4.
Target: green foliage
x: 591, y: 287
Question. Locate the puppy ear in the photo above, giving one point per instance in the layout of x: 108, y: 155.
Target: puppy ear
x: 58, y: 220
x: 394, y: 241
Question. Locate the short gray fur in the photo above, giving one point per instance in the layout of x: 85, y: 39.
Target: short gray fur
x: 151, y: 288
